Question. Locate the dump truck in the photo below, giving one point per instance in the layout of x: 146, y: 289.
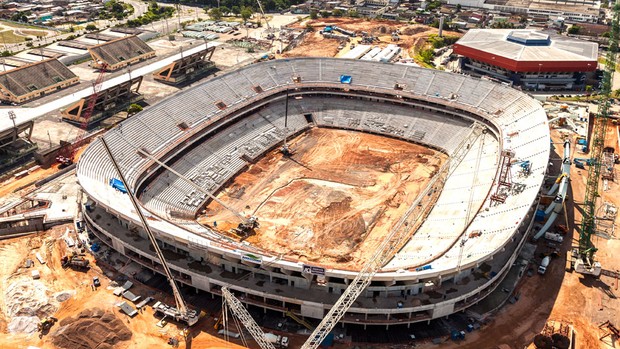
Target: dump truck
x: 542, y: 269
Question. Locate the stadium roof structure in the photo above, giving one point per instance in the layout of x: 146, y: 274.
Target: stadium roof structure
x: 525, y: 50
x: 18, y: 83
x: 120, y: 52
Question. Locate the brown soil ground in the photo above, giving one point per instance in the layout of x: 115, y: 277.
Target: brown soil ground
x: 76, y: 324
x: 25, y: 184
x: 334, y: 201
x: 314, y: 45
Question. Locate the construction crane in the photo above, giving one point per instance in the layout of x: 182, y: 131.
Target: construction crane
x: 584, y: 257
x: 247, y: 225
x: 181, y: 312
x: 231, y: 302
x: 384, y: 252
x: 260, y: 7
x: 66, y: 154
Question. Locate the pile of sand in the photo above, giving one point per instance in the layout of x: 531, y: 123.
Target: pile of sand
x: 28, y: 298
x: 90, y: 329
x: 23, y: 324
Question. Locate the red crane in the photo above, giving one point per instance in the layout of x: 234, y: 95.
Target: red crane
x: 67, y: 152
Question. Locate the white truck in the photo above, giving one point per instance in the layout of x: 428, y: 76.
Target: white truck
x: 279, y: 341
x: 554, y: 237
x: 543, y: 265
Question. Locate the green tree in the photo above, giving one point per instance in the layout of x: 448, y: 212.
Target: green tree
x: 458, y: 7
x: 225, y: 10
x: 91, y: 27
x: 353, y: 13
x: 324, y: 14
x: 338, y: 13
x: 314, y: 14
x: 134, y: 108
x: 246, y: 13
x: 574, y: 29
x: 427, y: 56
x: 236, y: 10
x: 215, y: 13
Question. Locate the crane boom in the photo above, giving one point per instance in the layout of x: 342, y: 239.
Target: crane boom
x: 246, y: 319
x: 588, y: 223
x: 197, y: 187
x: 260, y: 7
x: 67, y: 153
x: 386, y: 250
x: 187, y: 315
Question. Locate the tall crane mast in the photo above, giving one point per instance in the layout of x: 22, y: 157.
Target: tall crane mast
x: 66, y: 154
x: 182, y: 312
x: 246, y: 319
x: 588, y: 224
x: 260, y: 7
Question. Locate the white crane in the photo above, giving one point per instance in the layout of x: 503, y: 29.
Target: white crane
x: 382, y: 255
x: 260, y: 7
x: 182, y: 312
x: 246, y: 223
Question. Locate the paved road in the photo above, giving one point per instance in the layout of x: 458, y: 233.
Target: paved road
x: 27, y: 114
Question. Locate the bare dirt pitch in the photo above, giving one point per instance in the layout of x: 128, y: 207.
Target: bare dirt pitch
x: 334, y: 200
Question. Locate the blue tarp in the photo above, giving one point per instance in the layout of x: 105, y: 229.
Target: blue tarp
x: 328, y: 29
x: 345, y: 79
x: 118, y: 185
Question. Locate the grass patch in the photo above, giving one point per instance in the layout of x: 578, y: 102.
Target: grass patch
x: 15, y: 25
x: 8, y: 37
x: 32, y: 32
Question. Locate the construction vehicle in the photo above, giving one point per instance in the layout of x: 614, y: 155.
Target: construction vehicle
x: 554, y: 237
x: 181, y: 312
x: 542, y: 269
x: 582, y: 258
x: 66, y: 154
x: 277, y: 340
x: 75, y: 261
x: 45, y: 325
x: 580, y: 162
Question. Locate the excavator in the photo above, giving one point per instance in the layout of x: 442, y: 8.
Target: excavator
x: 45, y: 325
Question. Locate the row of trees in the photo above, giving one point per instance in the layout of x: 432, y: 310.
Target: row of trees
x: 114, y: 9
x: 244, y: 12
x: 314, y: 14
x: 154, y: 13
x: 268, y: 5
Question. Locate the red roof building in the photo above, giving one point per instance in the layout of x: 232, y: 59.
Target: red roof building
x: 533, y: 59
